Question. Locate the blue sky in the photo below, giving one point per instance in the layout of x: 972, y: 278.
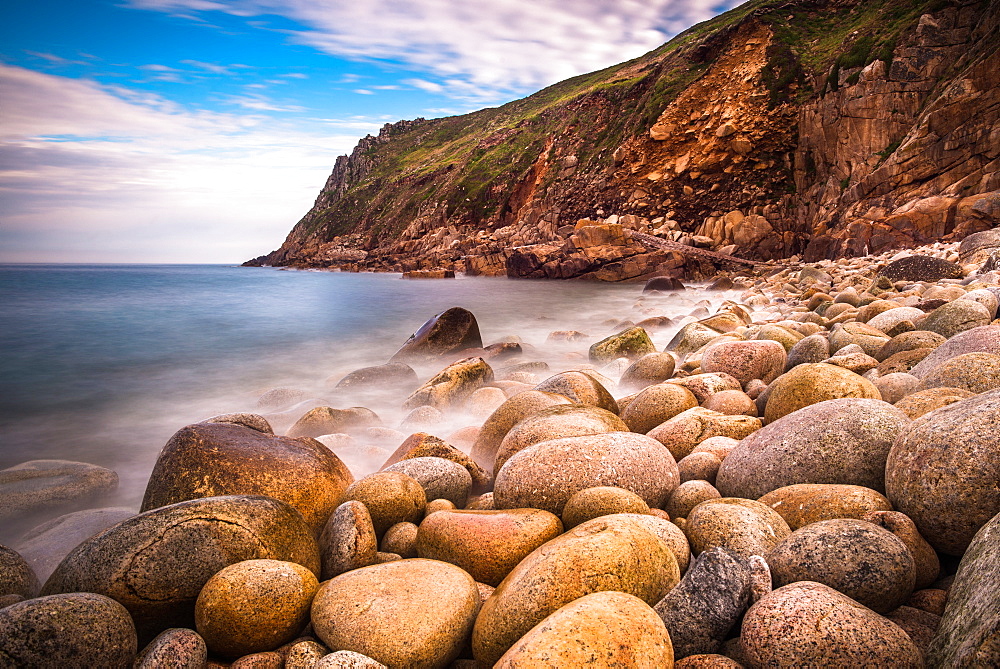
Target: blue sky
x: 202, y: 130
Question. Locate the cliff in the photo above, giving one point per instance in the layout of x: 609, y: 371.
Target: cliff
x: 807, y: 127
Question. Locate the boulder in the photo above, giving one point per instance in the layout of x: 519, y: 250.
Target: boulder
x: 925, y: 559
x: 976, y: 248
x: 506, y: 416
x: 44, y: 484
x: 942, y: 471
x: 599, y: 501
x: 390, y: 497
x: 743, y: 526
x: 156, y: 563
x: 985, y: 339
x: 967, y: 636
x: 975, y: 372
x: 608, y: 553
x: 920, y: 268
x: 616, y: 627
x: 214, y: 459
x: 808, y: 350
x: 701, y: 610
x: 810, y: 384
x: 570, y: 420
x: 487, y: 544
x: 812, y: 625
x: 746, y: 360
x: 451, y: 330
x: 859, y: 559
x: 688, y: 495
x: 647, y: 370
x: 732, y: 403
x: 632, y: 344
x: 400, y: 539
x: 326, y: 420
x: 346, y: 659
x: 699, y: 467
x: 921, y: 402
x: 423, y: 445
x: 705, y: 385
x: 177, y: 647
x: 895, y: 386
x: 545, y: 475
x: 870, y: 339
x: 392, y: 375
x: 452, y: 385
x: 407, y: 613
x: 804, y: 503
x: 656, y: 404
x: 784, y: 336
x: 16, y: 575
x: 909, y: 341
x: 254, y: 606
x: 687, y: 429
x: 78, y: 629
x: 348, y: 540
x: 690, y: 338
x: 440, y: 478
x: 957, y: 316
x: 580, y: 387
x: 836, y: 441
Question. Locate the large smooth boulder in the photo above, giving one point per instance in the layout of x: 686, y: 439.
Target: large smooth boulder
x: 985, y: 339
x: 616, y: 627
x: 975, y: 372
x: 580, y: 387
x: 545, y: 475
x: 922, y: 402
x: 804, y: 503
x: 423, y: 445
x: 79, y: 629
x: 909, y: 341
x: 43, y: 484
x: 970, y: 627
x: 689, y: 428
x: 647, y: 370
x: 440, y: 478
x: 610, y: 553
x: 808, y: 384
x: 392, y: 374
x: 744, y: 526
x: 348, y: 540
x: 943, y: 470
x: 564, y: 420
x: 746, y: 360
x: 860, y: 559
x: 506, y: 416
x: 656, y: 404
x: 920, y: 268
x: 809, y: 624
x: 451, y: 386
x: 214, y: 459
x: 407, y: 613
x: 16, y: 575
x: 449, y: 331
x: 322, y: 420
x: 156, y: 563
x: 177, y: 648
x: 632, y: 344
x: 390, y: 497
x: 837, y: 441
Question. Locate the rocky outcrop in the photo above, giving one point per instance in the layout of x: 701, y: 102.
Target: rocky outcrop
x: 754, y: 135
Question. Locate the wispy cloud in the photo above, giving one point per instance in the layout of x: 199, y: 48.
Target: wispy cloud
x: 363, y: 91
x: 97, y: 173
x: 491, y: 48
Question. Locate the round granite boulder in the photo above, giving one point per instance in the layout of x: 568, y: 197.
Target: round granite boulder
x: 870, y: 339
x: 746, y: 360
x: 599, y: 501
x: 808, y: 350
x: 156, y: 563
x: 42, y: 484
x: 688, y: 495
x: 943, y: 470
x: 616, y: 627
x: 804, y: 503
x: 608, y: 553
x: 687, y: 429
x: 890, y: 318
x: 348, y: 540
x: 580, y: 387
x: 632, y: 344
x: 440, y: 478
x: 406, y: 613
x: 920, y: 268
x: 836, y: 441
x: 895, y: 386
x: 393, y: 374
x: 647, y: 370
x: 78, y: 629
x: 956, y: 316
x: 545, y: 475
x: 985, y: 339
x: 655, y: 404
x: 909, y: 341
x: 925, y: 559
x: 177, y: 647
x: 975, y: 372
x: 487, y: 544
x: 390, y: 497
x: 744, y: 526
x: 447, y: 332
x: 921, y: 402
x: 565, y: 420
x: 860, y: 559
x: 705, y: 385
x: 809, y: 384
x: 213, y: 459
x: 506, y: 416
x: 452, y: 385
x: 16, y: 575
x: 326, y: 420
x: 254, y: 606
x: 808, y: 624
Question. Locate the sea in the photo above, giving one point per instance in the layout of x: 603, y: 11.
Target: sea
x: 103, y: 363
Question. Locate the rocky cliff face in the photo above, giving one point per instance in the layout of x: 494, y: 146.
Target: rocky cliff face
x: 806, y: 127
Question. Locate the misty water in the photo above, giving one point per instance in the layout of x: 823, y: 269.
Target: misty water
x: 103, y: 363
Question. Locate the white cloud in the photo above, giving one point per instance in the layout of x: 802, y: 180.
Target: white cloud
x: 91, y: 173
x: 493, y: 48
x: 363, y: 91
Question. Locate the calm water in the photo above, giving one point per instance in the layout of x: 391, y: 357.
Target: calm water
x: 102, y: 363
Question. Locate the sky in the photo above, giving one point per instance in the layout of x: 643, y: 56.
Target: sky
x: 201, y: 131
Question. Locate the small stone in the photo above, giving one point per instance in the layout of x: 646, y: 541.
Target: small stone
x: 304, y: 655
x: 699, y: 467
x: 327, y: 420
x: 894, y: 387
x: 423, y: 445
x: 346, y: 659
x: 401, y: 539
x: 705, y: 385
x: 809, y: 350
x: 688, y: 495
x: 266, y: 660
x: 731, y: 403
x: 393, y: 374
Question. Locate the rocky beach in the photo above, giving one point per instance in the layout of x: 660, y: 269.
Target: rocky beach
x: 802, y: 474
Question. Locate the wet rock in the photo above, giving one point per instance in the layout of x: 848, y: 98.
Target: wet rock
x: 808, y: 350
x: 688, y: 495
x: 810, y: 384
x: 909, y: 341
x: 859, y: 559
x: 581, y: 388
x: 452, y: 385
x: 16, y: 575
x: 690, y: 338
x: 647, y: 370
x: 483, y: 402
x: 616, y: 627
x: 967, y: 636
x: 396, y: 375
x: 599, y: 501
x: 156, y: 563
x: 176, y: 648
x: 925, y: 560
x: 664, y: 283
x: 77, y: 629
x: 390, y: 497
x: 810, y: 624
x: 920, y: 268
x: 744, y: 526
x: 746, y: 360
x: 421, y: 418
x: 607, y: 553
x: 451, y: 330
x: 570, y: 420
x: 348, y: 540
x: 956, y: 316
x: 507, y: 415
x: 687, y: 429
x: 985, y: 339
x: 254, y: 606
x: 656, y: 404
x: 44, y: 484
x: 487, y: 544
x: 632, y: 344
x: 975, y: 372
x: 326, y: 420
x: 251, y: 420
x: 701, y: 610
x: 942, y: 471
x: 407, y: 613
x: 836, y: 441
x: 921, y: 402
x: 804, y: 503
x: 547, y: 474
x: 278, y: 399
x: 440, y: 478
x: 401, y: 539
x: 209, y: 460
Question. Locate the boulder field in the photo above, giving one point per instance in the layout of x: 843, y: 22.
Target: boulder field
x: 802, y: 471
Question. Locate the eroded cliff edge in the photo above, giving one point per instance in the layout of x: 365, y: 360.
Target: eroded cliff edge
x: 818, y: 129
